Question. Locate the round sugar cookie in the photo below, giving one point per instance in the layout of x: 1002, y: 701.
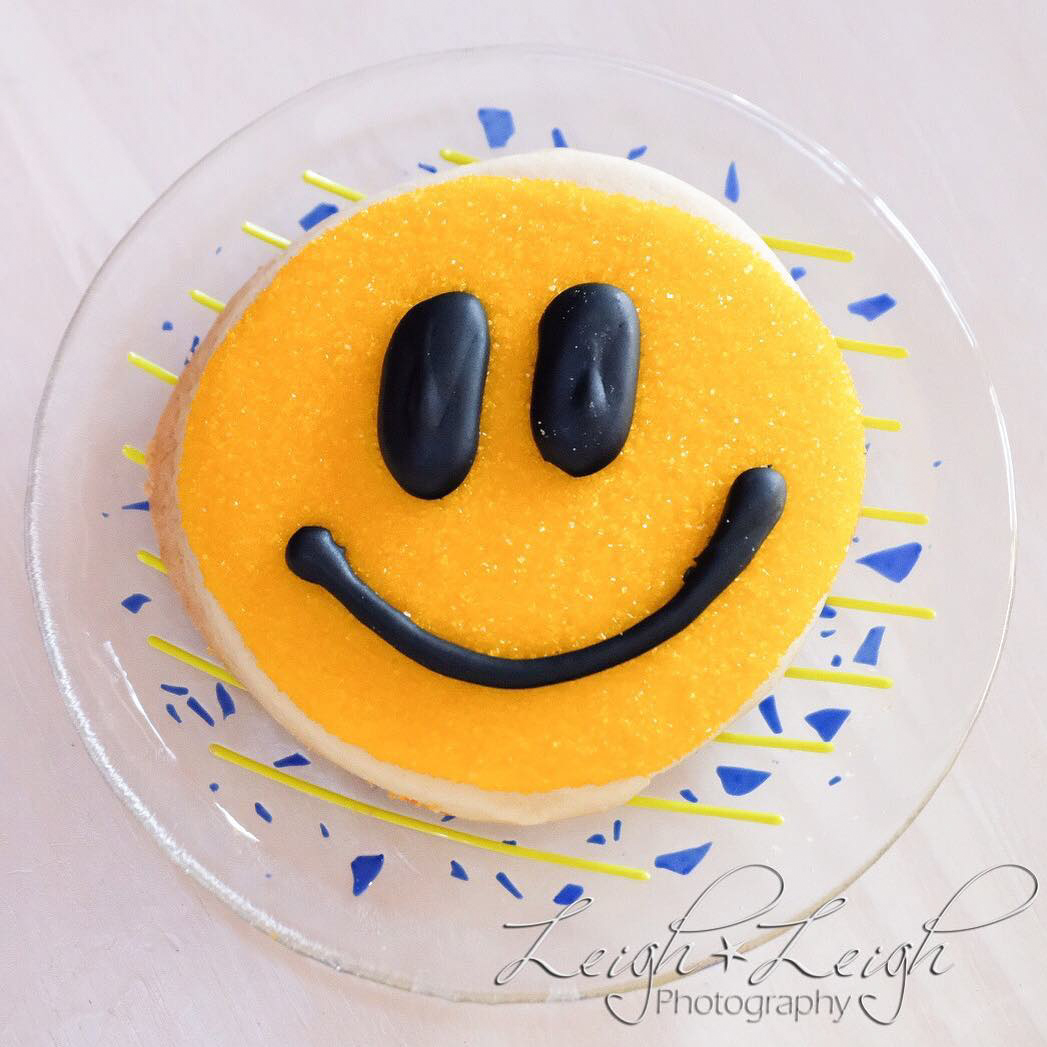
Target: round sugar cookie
x: 275, y: 427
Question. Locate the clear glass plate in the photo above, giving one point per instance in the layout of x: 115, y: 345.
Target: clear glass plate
x: 416, y: 925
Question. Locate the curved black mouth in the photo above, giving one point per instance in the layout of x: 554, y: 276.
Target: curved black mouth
x: 753, y: 507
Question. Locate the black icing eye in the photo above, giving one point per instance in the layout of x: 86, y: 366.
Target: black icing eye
x: 585, y: 377
x: 432, y: 392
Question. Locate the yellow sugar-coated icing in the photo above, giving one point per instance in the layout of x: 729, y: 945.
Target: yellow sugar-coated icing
x: 521, y: 560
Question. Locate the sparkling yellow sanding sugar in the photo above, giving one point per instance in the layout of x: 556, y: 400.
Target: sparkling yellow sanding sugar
x: 736, y: 371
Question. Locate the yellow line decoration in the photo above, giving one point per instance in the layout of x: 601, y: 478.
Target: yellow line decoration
x: 833, y: 254
x: 888, y: 425
x: 407, y: 822
x: 188, y: 658
x: 902, y: 609
x: 322, y: 182
x: 453, y: 156
x: 774, y: 741
x: 835, y: 676
x: 211, y: 302
x: 894, y: 352
x: 151, y: 560
x: 894, y: 515
x: 154, y: 369
x: 133, y: 454
x: 654, y: 803
x: 265, y: 235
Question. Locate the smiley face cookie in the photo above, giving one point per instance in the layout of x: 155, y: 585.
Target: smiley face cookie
x: 508, y: 491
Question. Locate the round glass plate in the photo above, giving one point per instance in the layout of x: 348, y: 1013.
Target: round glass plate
x: 428, y: 915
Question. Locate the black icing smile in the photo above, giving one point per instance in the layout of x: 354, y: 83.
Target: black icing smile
x: 581, y: 411
x: 754, y: 505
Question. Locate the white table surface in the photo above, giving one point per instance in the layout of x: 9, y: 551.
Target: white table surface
x: 940, y: 107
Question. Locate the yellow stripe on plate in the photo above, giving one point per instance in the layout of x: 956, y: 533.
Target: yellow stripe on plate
x: 882, y: 683
x: 833, y: 254
x: 904, y: 610
x: 654, y: 803
x: 133, y: 454
x: 774, y: 741
x: 202, y: 298
x: 453, y: 156
x: 265, y: 235
x: 188, y: 658
x: 894, y: 352
x: 323, y: 182
x: 151, y: 560
x: 417, y: 825
x: 895, y: 515
x: 888, y: 425
x: 150, y: 368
